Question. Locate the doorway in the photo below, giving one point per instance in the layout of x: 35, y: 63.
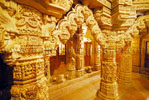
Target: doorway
x: 147, y: 55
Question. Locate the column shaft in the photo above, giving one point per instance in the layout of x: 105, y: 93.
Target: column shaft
x: 80, y: 55
x: 70, y: 59
x: 125, y: 69
x: 97, y: 63
x: 108, y: 86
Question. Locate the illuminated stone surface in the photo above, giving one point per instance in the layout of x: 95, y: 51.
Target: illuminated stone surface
x: 47, y: 43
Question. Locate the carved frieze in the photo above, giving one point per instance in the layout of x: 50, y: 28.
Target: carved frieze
x: 99, y: 3
x: 141, y: 5
x: 123, y: 15
x: 29, y: 21
x: 121, y: 2
x: 50, y: 7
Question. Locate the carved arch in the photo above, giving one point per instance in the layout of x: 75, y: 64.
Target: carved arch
x: 68, y: 26
x: 139, y: 25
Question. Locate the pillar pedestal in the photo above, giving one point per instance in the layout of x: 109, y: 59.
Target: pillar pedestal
x: 125, y: 78
x: 60, y: 78
x: 71, y: 74
x: 71, y: 70
x: 34, y: 91
x: 30, y: 82
x: 97, y: 67
x: 80, y: 72
x: 108, y: 91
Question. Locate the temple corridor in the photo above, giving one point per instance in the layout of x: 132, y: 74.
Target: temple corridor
x: 74, y: 49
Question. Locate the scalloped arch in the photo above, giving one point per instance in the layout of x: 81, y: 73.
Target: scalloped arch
x: 80, y: 14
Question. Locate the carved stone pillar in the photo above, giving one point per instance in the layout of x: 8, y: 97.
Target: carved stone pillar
x: 47, y: 67
x: 88, y: 56
x: 29, y: 78
x: 80, y: 55
x: 108, y: 86
x: 46, y: 55
x: 97, y: 63
x: 125, y: 68
x: 70, y: 60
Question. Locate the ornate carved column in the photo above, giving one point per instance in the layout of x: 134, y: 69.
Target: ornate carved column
x: 125, y: 64
x: 79, y: 55
x: 97, y: 63
x: 29, y: 71
x: 70, y: 59
x: 108, y: 86
x: 125, y: 68
x: 49, y: 23
x: 46, y: 55
x: 88, y: 55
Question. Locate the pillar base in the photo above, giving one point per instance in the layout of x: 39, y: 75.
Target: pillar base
x: 88, y: 69
x: 37, y: 90
x: 108, y: 91
x: 97, y: 67
x: 71, y: 74
x: 80, y: 72
x: 125, y: 77
x: 104, y: 97
x: 60, y: 78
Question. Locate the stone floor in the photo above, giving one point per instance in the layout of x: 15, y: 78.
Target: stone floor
x: 86, y: 89
x: 137, y: 90
x: 83, y: 88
